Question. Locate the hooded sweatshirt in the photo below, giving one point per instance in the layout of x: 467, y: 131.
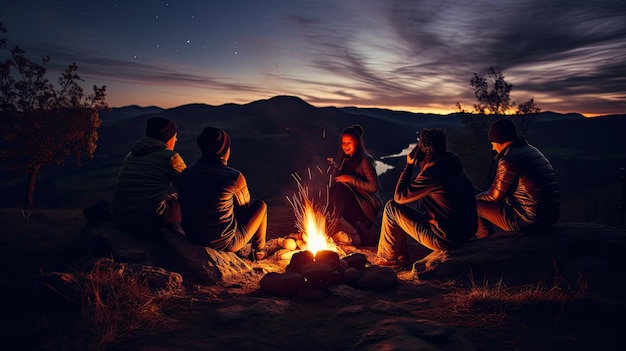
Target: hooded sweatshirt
x: 447, y: 196
x: 143, y: 182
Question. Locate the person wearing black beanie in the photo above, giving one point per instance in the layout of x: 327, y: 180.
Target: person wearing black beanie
x: 524, y: 195
x: 144, y: 196
x: 217, y: 210
x: 354, y: 191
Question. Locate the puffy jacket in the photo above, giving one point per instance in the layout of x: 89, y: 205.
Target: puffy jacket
x: 364, y: 184
x: 209, y: 191
x: 144, y: 180
x: 447, y: 196
x: 526, y: 181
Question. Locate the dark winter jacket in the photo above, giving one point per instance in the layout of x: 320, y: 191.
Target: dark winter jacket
x: 447, y: 196
x: 209, y: 193
x: 145, y: 178
x: 526, y: 181
x: 364, y: 183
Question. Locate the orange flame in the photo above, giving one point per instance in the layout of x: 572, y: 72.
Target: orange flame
x: 314, y: 234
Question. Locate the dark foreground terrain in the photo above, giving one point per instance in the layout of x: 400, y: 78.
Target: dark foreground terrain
x: 435, y: 314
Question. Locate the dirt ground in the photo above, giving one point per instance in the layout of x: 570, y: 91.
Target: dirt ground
x: 237, y: 315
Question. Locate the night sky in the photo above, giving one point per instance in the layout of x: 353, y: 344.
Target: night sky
x: 419, y: 56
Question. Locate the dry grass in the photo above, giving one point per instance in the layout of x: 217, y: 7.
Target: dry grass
x: 117, y: 302
x: 498, y: 299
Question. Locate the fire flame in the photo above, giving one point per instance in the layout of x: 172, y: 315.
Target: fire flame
x: 314, y: 234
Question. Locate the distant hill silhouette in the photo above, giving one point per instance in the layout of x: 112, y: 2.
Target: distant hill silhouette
x: 276, y: 137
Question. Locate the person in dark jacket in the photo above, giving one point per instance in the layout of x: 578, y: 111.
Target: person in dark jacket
x: 444, y: 215
x: 215, y: 200
x: 144, y: 196
x: 524, y: 193
x: 354, y: 191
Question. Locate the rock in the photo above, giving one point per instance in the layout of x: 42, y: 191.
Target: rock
x: 356, y: 260
x: 106, y: 241
x: 377, y: 278
x: 164, y: 248
x: 331, y: 258
x: 203, y: 265
x: 351, y: 275
x: 311, y: 293
x: 290, y: 244
x: 320, y: 274
x: 409, y: 334
x: 565, y: 254
x: 284, y: 254
x: 298, y: 259
x: 342, y: 238
x: 282, y: 284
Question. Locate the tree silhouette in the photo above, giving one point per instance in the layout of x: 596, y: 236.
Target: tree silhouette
x: 493, y: 101
x: 41, y: 125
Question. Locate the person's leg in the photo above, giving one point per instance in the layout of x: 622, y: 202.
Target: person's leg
x: 498, y: 214
x: 252, y: 222
x: 399, y: 220
x: 346, y: 206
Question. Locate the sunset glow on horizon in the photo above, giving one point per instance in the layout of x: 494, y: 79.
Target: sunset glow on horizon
x: 404, y: 55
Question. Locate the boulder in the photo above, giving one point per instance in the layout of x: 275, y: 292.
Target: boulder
x: 164, y: 248
x: 563, y: 255
x: 282, y: 284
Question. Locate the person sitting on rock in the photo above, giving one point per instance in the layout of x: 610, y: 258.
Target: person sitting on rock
x: 144, y: 196
x: 354, y: 192
x: 524, y: 194
x: 217, y: 211
x: 443, y: 211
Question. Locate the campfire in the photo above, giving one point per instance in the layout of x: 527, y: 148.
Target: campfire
x: 314, y: 260
x: 311, y: 220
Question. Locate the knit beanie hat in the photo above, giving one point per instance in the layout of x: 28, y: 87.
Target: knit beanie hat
x: 160, y: 128
x: 213, y: 141
x: 502, y: 130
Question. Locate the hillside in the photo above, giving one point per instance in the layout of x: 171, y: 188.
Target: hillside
x: 277, y: 137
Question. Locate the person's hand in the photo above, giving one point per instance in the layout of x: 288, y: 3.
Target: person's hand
x: 416, y: 155
x: 172, y: 196
x: 331, y: 161
x: 343, y: 178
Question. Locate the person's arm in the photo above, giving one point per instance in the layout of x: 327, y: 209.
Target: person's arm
x: 503, y: 184
x: 367, y: 180
x: 408, y: 191
x: 242, y: 193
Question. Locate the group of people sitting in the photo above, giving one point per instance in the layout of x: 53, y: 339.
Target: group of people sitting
x: 434, y: 200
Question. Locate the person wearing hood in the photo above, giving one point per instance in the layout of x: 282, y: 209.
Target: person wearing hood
x: 144, y: 197
x: 217, y: 210
x: 437, y: 207
x: 524, y: 194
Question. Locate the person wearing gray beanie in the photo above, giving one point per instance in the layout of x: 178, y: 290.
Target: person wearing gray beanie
x: 144, y: 196
x: 524, y: 195
x: 216, y: 206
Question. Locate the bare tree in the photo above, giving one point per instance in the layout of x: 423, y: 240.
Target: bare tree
x: 41, y: 125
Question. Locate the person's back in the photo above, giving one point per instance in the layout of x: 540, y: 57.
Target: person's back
x: 208, y: 189
x: 451, y: 203
x: 215, y: 201
x: 146, y: 177
x: 537, y: 191
x: 524, y: 193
